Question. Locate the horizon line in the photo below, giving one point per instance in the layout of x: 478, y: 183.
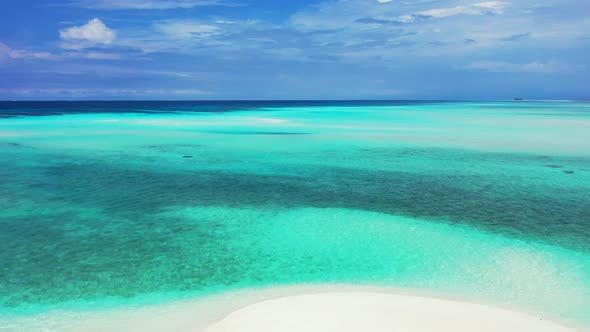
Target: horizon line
x: 291, y: 100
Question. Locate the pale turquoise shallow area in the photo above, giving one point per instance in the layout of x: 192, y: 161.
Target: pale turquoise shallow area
x: 486, y: 201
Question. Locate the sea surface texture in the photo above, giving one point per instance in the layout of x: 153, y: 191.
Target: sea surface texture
x: 119, y: 204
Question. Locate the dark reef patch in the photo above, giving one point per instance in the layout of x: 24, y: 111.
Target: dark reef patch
x: 554, y: 166
x: 10, y: 144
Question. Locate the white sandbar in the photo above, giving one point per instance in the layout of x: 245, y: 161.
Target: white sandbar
x: 375, y: 312
x: 301, y: 308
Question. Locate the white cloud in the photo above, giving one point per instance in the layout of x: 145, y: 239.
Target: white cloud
x: 368, y: 31
x: 531, y: 67
x: 344, y: 13
x: 93, y: 33
x: 187, y: 29
x: 143, y: 4
x: 7, y: 52
x: 490, y: 7
x: 101, y: 56
x: 481, y: 8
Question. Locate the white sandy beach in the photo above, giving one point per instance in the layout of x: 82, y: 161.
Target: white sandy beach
x: 306, y: 308
x: 375, y: 312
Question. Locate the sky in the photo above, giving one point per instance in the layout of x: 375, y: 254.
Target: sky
x: 304, y: 49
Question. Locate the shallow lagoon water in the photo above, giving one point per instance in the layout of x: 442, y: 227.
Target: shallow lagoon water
x: 112, y: 206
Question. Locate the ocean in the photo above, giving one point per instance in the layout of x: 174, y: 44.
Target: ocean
x: 127, y: 204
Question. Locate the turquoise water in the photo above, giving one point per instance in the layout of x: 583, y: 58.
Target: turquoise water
x: 121, y: 205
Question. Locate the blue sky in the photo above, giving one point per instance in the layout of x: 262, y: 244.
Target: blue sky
x: 305, y: 49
